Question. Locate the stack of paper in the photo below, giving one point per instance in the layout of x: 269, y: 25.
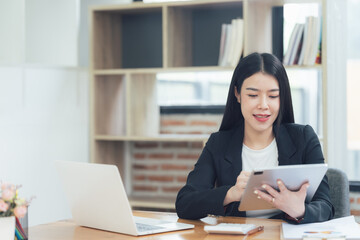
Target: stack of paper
x: 345, y: 226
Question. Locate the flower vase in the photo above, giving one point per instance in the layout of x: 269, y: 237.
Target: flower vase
x: 7, y: 228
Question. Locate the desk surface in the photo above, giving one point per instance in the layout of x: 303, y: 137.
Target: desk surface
x: 68, y: 230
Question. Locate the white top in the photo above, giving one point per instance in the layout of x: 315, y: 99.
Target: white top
x: 263, y: 158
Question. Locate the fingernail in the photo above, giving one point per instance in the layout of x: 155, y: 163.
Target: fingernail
x: 263, y: 186
x: 256, y: 192
x: 258, y: 197
x: 278, y: 182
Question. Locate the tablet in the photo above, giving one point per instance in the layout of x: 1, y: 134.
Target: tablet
x: 293, y: 177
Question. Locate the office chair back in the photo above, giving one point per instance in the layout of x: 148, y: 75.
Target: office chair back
x: 339, y: 192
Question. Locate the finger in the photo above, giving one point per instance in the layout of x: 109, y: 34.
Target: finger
x: 281, y: 185
x: 270, y: 190
x: 244, y: 174
x: 241, y: 184
x: 304, y: 188
x: 242, y: 178
x: 264, y: 196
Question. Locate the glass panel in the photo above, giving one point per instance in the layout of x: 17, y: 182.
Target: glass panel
x: 353, y: 88
x: 306, y: 95
x: 201, y: 88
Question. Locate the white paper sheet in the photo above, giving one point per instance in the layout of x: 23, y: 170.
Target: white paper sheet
x: 340, y: 226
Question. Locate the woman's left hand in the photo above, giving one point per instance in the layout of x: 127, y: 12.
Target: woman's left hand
x: 290, y: 202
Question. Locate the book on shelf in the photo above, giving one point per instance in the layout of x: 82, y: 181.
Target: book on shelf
x: 225, y: 35
x: 306, y: 41
x: 295, y: 34
x: 231, y: 43
x: 296, y: 47
x: 316, y: 40
x: 318, y: 55
x: 222, y: 43
x: 312, y: 41
x: 304, y: 46
x: 238, y: 46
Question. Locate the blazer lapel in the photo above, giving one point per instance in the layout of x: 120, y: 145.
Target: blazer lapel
x: 233, y: 154
x: 285, y: 145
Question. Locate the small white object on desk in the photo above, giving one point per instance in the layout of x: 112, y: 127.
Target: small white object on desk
x: 233, y: 228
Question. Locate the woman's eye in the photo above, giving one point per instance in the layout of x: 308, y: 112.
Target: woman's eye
x: 251, y: 95
x: 274, y: 96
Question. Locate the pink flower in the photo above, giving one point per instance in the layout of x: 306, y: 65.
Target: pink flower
x: 3, y: 206
x: 5, y: 186
x: 8, y: 194
x: 20, y: 211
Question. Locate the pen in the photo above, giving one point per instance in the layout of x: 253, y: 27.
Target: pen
x: 258, y: 229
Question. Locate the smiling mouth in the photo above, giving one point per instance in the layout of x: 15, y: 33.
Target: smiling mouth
x: 262, y: 117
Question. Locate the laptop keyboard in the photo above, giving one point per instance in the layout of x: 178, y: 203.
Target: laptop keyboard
x: 145, y: 227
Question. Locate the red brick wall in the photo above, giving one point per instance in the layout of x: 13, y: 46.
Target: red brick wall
x: 160, y: 168
x: 355, y: 205
x: 190, y: 124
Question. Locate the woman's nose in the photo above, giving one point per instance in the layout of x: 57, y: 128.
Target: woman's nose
x: 263, y: 104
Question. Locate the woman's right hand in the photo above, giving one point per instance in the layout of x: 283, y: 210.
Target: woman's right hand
x: 235, y: 192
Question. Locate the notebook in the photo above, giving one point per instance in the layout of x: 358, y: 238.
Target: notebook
x: 98, y: 200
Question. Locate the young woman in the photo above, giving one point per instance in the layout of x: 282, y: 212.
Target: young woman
x: 257, y: 130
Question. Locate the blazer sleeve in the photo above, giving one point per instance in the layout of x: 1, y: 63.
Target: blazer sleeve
x: 320, y: 208
x: 199, y: 197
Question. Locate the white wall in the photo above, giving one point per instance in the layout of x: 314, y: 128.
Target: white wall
x: 43, y: 110
x: 12, y: 46
x: 44, y: 105
x: 51, y: 32
x: 43, y: 118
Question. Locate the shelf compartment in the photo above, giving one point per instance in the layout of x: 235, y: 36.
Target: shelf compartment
x: 127, y: 38
x: 110, y: 104
x: 111, y: 153
x: 190, y: 40
x: 143, y: 112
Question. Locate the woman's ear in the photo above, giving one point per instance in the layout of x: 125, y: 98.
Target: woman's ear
x: 237, y: 95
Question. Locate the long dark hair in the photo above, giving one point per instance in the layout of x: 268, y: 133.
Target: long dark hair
x: 248, y: 66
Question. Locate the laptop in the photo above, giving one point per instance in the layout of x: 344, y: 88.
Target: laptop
x: 98, y: 200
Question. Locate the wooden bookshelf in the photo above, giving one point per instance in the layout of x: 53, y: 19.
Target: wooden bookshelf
x: 131, y: 43
x: 157, y: 138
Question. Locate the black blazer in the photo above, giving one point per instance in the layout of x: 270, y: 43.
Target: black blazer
x: 220, y: 163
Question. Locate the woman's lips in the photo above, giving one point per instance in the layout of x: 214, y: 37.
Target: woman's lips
x: 262, y: 117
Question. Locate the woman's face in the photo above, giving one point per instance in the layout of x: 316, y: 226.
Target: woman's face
x: 260, y: 102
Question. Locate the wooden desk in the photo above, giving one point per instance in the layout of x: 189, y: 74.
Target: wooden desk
x: 64, y: 230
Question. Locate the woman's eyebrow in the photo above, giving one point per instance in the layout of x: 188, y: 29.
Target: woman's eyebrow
x: 252, y: 89
x: 274, y: 90
x: 256, y: 90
